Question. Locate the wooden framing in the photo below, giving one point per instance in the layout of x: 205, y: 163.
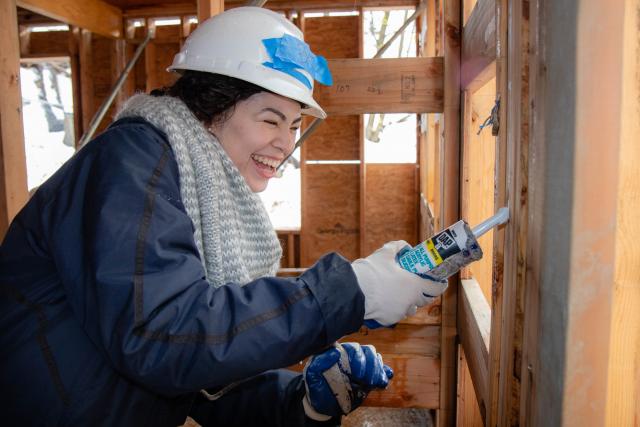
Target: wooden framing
x: 96, y: 16
x: 450, y: 202
x: 581, y: 357
x: 209, y: 8
x: 13, y: 167
x: 623, y: 389
x: 474, y: 318
x: 404, y: 85
x: 503, y: 172
x: 479, y: 44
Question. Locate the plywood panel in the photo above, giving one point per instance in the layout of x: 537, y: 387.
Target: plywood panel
x: 330, y: 212
x: 333, y: 36
x: 403, y: 85
x: 52, y: 43
x: 335, y: 139
x: 391, y: 204
x: 164, y: 53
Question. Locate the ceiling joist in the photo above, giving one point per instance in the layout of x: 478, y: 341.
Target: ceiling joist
x: 96, y: 16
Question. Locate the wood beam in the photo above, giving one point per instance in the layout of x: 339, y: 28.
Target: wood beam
x: 179, y: 9
x: 584, y: 268
x: 209, y: 8
x: 451, y: 29
x: 404, y: 85
x: 76, y: 82
x: 13, y: 167
x: 479, y: 44
x: 514, y: 142
x: 322, y: 5
x: 502, y: 291
x: 623, y: 392
x: 96, y: 16
x: 85, y: 57
x: 474, y: 320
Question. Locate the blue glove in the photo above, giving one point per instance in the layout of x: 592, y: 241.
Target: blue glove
x: 338, y: 380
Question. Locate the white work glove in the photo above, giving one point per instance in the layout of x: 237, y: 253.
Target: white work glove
x: 392, y: 293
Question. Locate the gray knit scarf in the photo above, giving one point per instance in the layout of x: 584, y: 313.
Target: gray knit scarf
x: 233, y: 233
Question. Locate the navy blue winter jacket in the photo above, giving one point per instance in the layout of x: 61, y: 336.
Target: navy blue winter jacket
x: 106, y: 317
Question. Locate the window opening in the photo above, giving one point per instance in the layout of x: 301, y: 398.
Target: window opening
x: 389, y: 138
x: 47, y: 108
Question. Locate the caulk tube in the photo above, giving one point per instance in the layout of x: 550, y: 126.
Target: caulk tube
x: 447, y: 252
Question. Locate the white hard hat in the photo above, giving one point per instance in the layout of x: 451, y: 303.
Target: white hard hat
x: 259, y: 46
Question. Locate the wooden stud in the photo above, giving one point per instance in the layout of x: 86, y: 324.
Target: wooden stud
x: 86, y: 77
x: 150, y: 58
x: 468, y: 411
x: 450, y: 198
x: 13, y: 166
x: 76, y: 82
x: 578, y: 252
x: 535, y: 196
x: 499, y: 307
x: 209, y: 8
x: 94, y: 15
x: 361, y: 153
x: 25, y: 40
x: 516, y: 150
x: 623, y: 390
x: 403, y: 85
x: 474, y: 317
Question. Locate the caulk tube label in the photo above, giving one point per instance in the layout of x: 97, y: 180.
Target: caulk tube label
x: 432, y: 252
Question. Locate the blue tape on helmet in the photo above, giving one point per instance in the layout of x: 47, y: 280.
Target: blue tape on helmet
x: 289, y: 54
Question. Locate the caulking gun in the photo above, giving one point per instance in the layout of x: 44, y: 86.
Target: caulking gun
x: 447, y: 252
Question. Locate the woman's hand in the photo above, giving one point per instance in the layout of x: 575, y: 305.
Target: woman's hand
x: 391, y: 292
x: 338, y: 380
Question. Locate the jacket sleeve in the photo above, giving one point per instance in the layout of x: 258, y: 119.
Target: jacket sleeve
x: 139, y: 290
x: 271, y: 399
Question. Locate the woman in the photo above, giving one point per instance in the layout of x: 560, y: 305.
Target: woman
x: 143, y: 271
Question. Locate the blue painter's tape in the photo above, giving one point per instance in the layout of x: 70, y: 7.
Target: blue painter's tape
x: 289, y: 54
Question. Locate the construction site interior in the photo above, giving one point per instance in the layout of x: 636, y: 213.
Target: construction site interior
x: 440, y: 110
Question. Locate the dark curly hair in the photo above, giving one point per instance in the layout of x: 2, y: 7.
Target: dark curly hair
x: 210, y: 97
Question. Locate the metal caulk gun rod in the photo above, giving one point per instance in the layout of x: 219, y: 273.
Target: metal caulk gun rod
x: 500, y: 218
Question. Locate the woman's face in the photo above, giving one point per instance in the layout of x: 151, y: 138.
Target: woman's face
x: 259, y: 135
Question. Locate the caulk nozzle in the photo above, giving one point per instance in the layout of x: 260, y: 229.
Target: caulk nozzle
x: 500, y: 217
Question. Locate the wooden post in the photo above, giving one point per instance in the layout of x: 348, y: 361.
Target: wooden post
x: 76, y: 82
x: 516, y: 182
x: 150, y: 57
x: 623, y: 390
x: 450, y: 197
x: 86, y: 78
x: 208, y: 8
x: 13, y: 167
x: 587, y: 251
x: 503, y: 167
